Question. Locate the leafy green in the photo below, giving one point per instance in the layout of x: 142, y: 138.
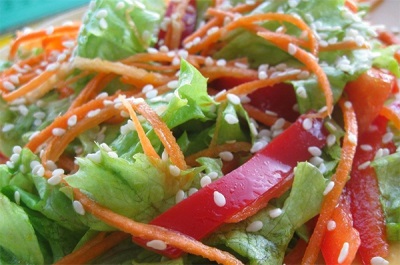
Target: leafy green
x: 387, y: 61
x: 122, y: 31
x: 17, y: 234
x: 268, y: 245
x: 388, y: 171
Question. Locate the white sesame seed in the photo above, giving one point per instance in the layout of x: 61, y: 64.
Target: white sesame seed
x: 57, y: 172
x: 78, y: 207
x: 58, y: 131
x: 241, y: 65
x: 226, y: 156
x: 176, y: 61
x: 157, y: 244
x: 10, y: 164
x: 234, y: 99
x: 331, y: 225
x: 39, y: 115
x: 183, y: 54
x: 179, y: 196
x: 192, y: 191
x: 275, y: 212
x: 72, y: 120
x: 348, y: 105
x: 219, y: 199
x: 8, y: 85
x: 212, y: 31
x: 52, y: 67
x: 103, y: 24
x: 213, y: 175
x: 171, y: 53
x: 352, y: 138
x: 379, y: 261
x: 329, y: 187
x: 253, y: 128
x: 172, y: 84
x: 278, y: 124
x: 112, y: 154
x: 366, y: 147
x: 164, y: 48
x: 258, y: 145
x: 33, y: 164
x: 364, y: 165
x: 316, y: 160
x: 7, y: 127
x: 68, y: 44
x: 231, y: 119
x: 343, y: 252
x: 330, y: 140
x: 54, y: 180
x: 221, y: 62
x: 152, y: 93
x: 50, y: 30
x: 204, y: 181
x: 307, y: 124
x: 14, y: 79
x: 293, y: 3
x: 23, y: 110
x: 245, y: 99
x: 93, y: 113
x: 271, y: 113
x: 314, y: 151
x: 102, y: 13
x: 38, y: 170
x: 120, y: 5
x: 95, y: 157
x: 17, y: 149
x: 262, y: 75
x: 152, y: 50
x: 174, y: 170
x: 303, y: 75
x: 387, y: 137
x: 14, y: 158
x: 51, y: 165
x: 301, y: 92
x: 209, y: 61
x: 147, y: 88
x: 254, y: 226
x: 292, y: 49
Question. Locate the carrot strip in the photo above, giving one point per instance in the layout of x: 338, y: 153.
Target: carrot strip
x: 213, y: 151
x: 215, y: 72
x: 310, y: 62
x: 152, y: 232
x: 93, y: 248
x: 352, y: 5
x: 344, y: 45
x: 392, y: 115
x: 40, y: 34
x: 148, y: 149
x: 202, y: 30
x: 133, y: 73
x: 339, y: 178
x: 262, y: 117
x: 164, y: 133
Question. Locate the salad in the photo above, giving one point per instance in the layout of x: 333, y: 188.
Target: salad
x: 202, y: 132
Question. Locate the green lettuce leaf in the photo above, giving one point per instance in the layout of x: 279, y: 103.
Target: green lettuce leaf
x: 111, y: 33
x: 17, y: 234
x: 268, y: 245
x: 388, y: 171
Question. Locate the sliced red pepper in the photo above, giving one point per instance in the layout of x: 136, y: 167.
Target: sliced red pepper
x: 368, y: 93
x: 188, y: 19
x: 339, y: 233
x: 199, y: 215
x: 364, y: 193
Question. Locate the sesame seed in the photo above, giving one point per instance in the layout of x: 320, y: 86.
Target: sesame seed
x: 329, y: 187
x: 293, y: 3
x: 343, y: 252
x: 179, y: 196
x: 7, y: 127
x: 209, y: 61
x: 52, y: 67
x: 157, y: 244
x: 50, y: 30
x: 54, y: 180
x: 204, y: 181
x: 234, y: 99
x: 278, y: 124
x: 271, y: 113
x: 72, y: 120
x: 366, y: 147
x: 221, y: 62
x: 219, y: 199
x: 331, y: 225
x: 17, y: 149
x: 95, y: 157
x: 112, y: 154
x: 174, y: 170
x: 292, y: 49
x: 23, y: 110
x: 120, y: 5
x: 58, y: 131
x: 301, y: 92
x: 303, y: 75
x: 152, y: 93
x: 51, y: 165
x: 103, y: 24
x: 387, y: 137
x: 275, y: 213
x: 307, y: 124
x: 213, y: 175
x: 39, y: 115
x: 61, y: 57
x: 17, y: 197
x: 352, y: 138
x: 212, y: 31
x: 330, y: 140
x: 314, y: 151
x: 253, y: 129
x: 147, y: 88
x: 68, y: 44
x: 257, y: 146
x: 379, y: 261
x: 164, y: 48
x: 254, y: 226
x: 8, y: 85
x: 93, y: 113
x: 172, y: 84
x: 183, y: 54
x: 262, y: 75
x: 241, y: 65
x: 102, y: 13
x: 316, y: 160
x: 176, y: 61
x: 78, y: 207
x: 348, y: 105
x: 14, y: 79
x: 364, y: 165
x: 38, y: 170
x: 192, y: 191
x: 226, y: 156
x: 231, y: 119
x: 14, y: 158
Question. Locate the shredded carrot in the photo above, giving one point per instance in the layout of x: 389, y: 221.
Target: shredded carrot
x: 391, y: 114
x: 339, y: 178
x: 151, y: 232
x: 215, y: 72
x: 164, y: 134
x: 214, y: 151
x: 310, y: 62
x: 93, y: 248
x: 262, y: 116
x: 40, y: 34
x: 389, y: 38
x: 352, y: 5
x: 343, y: 45
x: 202, y: 30
x: 148, y: 149
x: 176, y: 27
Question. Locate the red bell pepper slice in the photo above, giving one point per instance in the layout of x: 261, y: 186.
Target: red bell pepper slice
x: 368, y: 94
x: 342, y: 232
x: 364, y: 193
x: 261, y: 176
